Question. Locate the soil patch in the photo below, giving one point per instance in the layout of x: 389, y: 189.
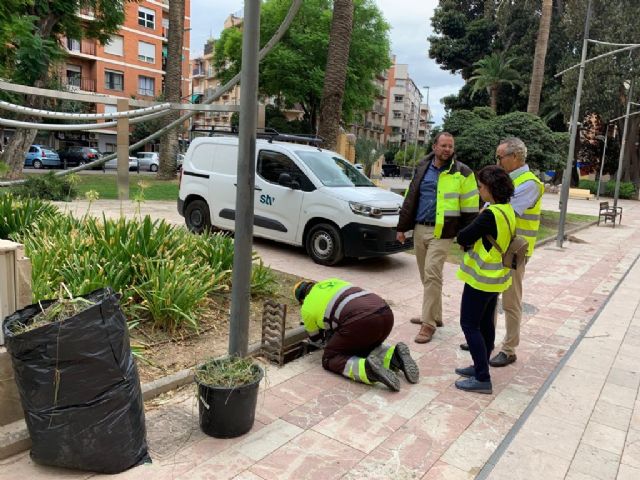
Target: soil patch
x: 164, y: 354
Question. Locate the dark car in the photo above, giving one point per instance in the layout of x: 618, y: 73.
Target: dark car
x: 74, y: 156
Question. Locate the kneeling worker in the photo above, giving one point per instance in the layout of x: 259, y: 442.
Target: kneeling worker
x: 359, y: 321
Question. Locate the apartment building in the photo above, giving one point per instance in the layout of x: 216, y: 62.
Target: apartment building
x: 403, y: 106
x: 131, y: 65
x: 424, y: 127
x: 371, y: 123
x: 204, y: 83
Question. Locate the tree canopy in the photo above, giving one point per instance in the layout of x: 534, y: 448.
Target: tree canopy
x: 478, y: 132
x: 294, y: 70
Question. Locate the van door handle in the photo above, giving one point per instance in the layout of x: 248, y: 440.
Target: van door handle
x: 255, y: 188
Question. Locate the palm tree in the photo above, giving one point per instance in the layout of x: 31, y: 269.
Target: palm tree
x: 336, y: 72
x: 537, y: 76
x: 172, y: 88
x: 491, y: 72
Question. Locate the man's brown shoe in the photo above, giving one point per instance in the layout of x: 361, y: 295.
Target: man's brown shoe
x: 418, y: 321
x: 426, y: 333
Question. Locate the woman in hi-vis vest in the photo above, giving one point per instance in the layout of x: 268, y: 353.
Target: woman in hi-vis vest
x: 354, y: 323
x: 484, y: 275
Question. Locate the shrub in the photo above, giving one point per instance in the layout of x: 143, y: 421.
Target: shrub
x: 18, y: 214
x: 627, y: 189
x: 48, y: 187
x: 163, y: 272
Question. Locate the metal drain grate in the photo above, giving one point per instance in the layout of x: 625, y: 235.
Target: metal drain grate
x: 274, y: 316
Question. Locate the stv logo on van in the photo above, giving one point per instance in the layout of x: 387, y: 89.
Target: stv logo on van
x: 267, y: 199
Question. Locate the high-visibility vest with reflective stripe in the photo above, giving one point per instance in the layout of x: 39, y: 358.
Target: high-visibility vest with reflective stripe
x: 319, y: 302
x: 456, y: 193
x: 482, y: 269
x: 528, y: 223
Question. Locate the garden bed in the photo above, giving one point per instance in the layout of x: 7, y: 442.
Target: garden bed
x: 164, y: 354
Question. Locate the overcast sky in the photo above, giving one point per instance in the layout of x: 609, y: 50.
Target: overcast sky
x: 410, y: 27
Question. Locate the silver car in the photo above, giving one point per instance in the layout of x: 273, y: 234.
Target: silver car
x: 149, y: 161
x: 113, y: 164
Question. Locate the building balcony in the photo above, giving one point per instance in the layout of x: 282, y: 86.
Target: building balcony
x: 85, y: 47
x: 76, y: 84
x: 197, y: 72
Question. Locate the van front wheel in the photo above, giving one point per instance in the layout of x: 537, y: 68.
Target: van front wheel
x: 324, y: 244
x: 197, y: 216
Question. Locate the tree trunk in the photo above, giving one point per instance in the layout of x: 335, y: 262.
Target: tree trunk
x: 493, y: 92
x: 18, y: 145
x: 489, y: 9
x: 537, y: 76
x: 336, y: 72
x: 173, y: 90
x: 630, y: 166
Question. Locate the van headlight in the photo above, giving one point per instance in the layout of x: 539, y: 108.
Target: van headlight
x: 366, y: 210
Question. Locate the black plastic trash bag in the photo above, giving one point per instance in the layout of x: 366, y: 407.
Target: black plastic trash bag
x: 79, y: 387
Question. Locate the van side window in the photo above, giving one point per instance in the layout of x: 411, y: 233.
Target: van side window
x: 272, y: 164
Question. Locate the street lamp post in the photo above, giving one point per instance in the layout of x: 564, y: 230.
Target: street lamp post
x: 566, y: 180
x: 604, y: 152
x: 622, y: 145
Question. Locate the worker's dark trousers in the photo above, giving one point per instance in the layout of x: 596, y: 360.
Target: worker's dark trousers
x: 356, y: 336
x: 477, y: 311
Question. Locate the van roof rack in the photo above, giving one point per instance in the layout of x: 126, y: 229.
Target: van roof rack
x: 269, y: 134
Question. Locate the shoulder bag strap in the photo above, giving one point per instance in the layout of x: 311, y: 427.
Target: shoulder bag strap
x: 493, y: 241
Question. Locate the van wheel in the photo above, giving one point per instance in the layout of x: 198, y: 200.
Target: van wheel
x: 324, y: 244
x: 197, y: 216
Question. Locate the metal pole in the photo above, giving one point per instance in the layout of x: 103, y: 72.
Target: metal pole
x: 243, y: 239
x: 622, y: 146
x: 122, y: 148
x: 604, y: 152
x: 566, y: 180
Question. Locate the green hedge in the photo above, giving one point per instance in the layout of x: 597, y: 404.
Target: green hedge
x: 627, y: 189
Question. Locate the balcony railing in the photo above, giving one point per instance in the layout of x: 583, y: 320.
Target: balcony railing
x: 79, y: 83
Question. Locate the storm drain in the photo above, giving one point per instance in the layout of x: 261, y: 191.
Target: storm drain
x: 278, y: 345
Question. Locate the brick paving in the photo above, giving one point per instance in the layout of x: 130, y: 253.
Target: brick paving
x: 313, y: 424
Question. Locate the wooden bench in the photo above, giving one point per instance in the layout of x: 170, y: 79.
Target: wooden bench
x: 580, y: 193
x: 609, y: 213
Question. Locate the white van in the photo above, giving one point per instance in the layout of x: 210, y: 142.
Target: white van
x: 304, y: 196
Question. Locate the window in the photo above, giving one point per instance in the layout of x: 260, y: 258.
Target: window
x: 398, y: 98
x: 146, y: 86
x: 272, y: 164
x: 110, y: 147
x: 73, y: 45
x: 146, y: 52
x: 397, y: 114
x: 74, y: 75
x: 146, y: 18
x: 332, y: 170
x: 115, y: 45
x: 113, y: 80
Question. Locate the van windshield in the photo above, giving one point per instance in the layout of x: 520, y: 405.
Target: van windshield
x: 332, y: 170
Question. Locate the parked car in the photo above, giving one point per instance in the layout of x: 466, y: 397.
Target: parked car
x: 74, y: 156
x: 360, y: 168
x: 304, y: 196
x: 179, y: 160
x: 149, y: 161
x: 113, y: 164
x: 40, y: 156
x: 390, y: 170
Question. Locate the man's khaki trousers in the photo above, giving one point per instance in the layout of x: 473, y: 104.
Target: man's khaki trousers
x: 431, y: 254
x: 512, y: 306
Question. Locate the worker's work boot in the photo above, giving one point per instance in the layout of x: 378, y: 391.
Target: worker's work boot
x: 401, y: 360
x: 377, y: 373
x: 426, y: 334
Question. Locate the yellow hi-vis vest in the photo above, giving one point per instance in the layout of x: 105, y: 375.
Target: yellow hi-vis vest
x: 482, y: 269
x: 319, y: 302
x: 528, y: 223
x: 456, y: 193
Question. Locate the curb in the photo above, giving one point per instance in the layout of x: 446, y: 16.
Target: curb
x: 548, y: 240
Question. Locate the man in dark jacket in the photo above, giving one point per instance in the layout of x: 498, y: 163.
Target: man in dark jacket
x: 442, y: 199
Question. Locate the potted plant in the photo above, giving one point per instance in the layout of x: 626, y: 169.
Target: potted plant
x: 227, y: 395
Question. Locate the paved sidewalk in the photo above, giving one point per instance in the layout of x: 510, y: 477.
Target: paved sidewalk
x: 312, y: 424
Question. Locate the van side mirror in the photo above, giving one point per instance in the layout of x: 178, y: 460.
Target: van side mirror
x: 285, y: 180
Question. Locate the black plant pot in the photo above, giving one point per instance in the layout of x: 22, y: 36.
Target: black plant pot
x: 227, y: 412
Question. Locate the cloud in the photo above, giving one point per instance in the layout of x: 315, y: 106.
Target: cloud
x: 410, y: 22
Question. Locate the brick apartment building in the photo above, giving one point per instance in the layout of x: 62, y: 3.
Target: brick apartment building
x: 131, y: 65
